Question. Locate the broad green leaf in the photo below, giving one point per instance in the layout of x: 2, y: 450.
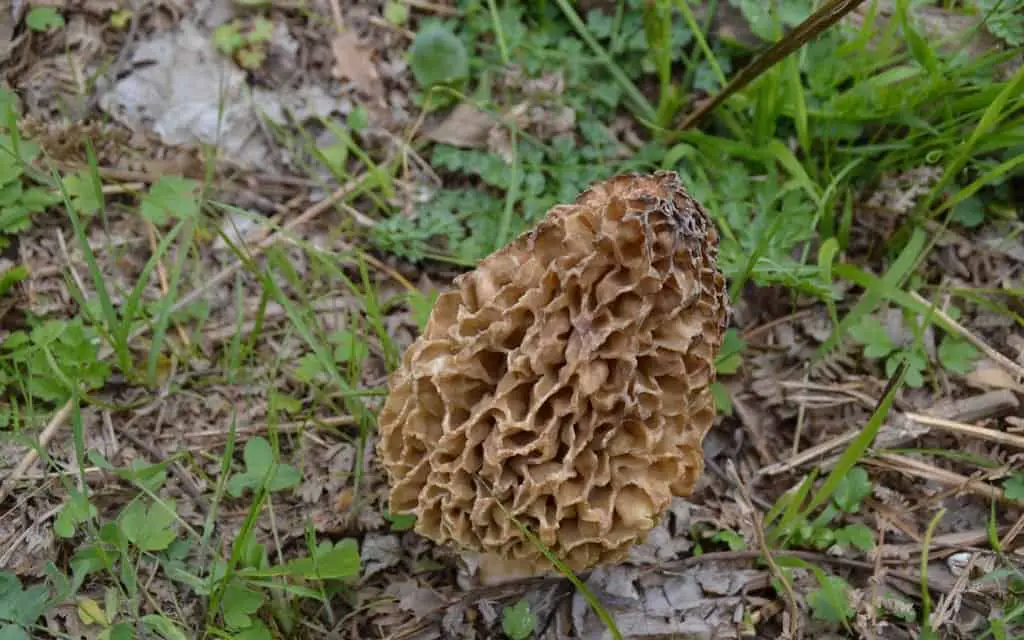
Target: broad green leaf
x: 37, y: 199
x: 723, y: 401
x: 421, y: 305
x: 873, y: 336
x: 258, y: 631
x: 1013, y: 487
x: 438, y: 57
x: 349, y: 347
x: 259, y: 462
x: 171, y: 198
x: 959, y: 356
x: 239, y: 603
x: 13, y: 632
x: 401, y: 521
x: 729, y: 356
x: 119, y: 631
x: 731, y: 539
x: 852, y: 489
x: 309, y: 368
x: 12, y: 276
x: 856, y: 535
x: 81, y: 187
x: 916, y: 365
x: 969, y: 212
x: 43, y: 19
x: 76, y: 511
x: 21, y: 606
x: 148, y: 528
x: 830, y: 601
x: 164, y: 627
x: 518, y: 621
x: 332, y: 562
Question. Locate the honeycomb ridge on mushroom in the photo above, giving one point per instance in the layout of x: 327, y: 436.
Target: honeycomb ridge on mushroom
x: 565, y: 381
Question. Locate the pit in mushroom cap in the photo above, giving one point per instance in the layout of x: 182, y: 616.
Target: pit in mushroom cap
x: 565, y: 381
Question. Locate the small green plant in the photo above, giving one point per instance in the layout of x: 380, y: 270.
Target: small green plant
x: 396, y: 12
x: 727, y: 362
x: 401, y: 521
x: 438, y: 58
x: 84, y: 191
x: 20, y: 196
x: 171, y: 198
x: 518, y: 621
x: 830, y: 602
x: 1013, y: 487
x: 730, y: 539
x: 245, y: 43
x: 148, y: 526
x: 243, y: 587
x: 349, y: 348
x: 43, y: 19
x: 822, y: 532
x: 55, y: 358
x: 20, y: 607
x: 954, y: 354
x: 873, y: 336
x: 78, y: 510
x: 261, y: 470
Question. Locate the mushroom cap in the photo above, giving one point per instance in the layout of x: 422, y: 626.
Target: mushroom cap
x: 564, y: 382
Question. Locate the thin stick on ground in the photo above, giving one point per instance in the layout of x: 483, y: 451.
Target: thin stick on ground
x: 905, y: 427
x: 918, y: 468
x: 969, y: 430
x: 791, y: 628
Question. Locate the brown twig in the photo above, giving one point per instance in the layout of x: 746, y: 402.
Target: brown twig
x: 914, y: 467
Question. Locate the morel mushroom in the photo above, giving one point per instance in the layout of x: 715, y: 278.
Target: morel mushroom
x: 564, y: 382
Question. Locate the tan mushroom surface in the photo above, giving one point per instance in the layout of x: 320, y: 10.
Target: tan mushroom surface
x: 564, y: 382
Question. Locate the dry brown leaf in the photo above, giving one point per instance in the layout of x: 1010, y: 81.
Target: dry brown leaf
x: 466, y: 127
x: 352, y: 61
x: 343, y: 501
x: 379, y: 552
x: 415, y: 599
x: 988, y: 375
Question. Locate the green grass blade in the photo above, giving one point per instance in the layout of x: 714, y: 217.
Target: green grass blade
x: 882, y: 288
x: 859, y: 445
